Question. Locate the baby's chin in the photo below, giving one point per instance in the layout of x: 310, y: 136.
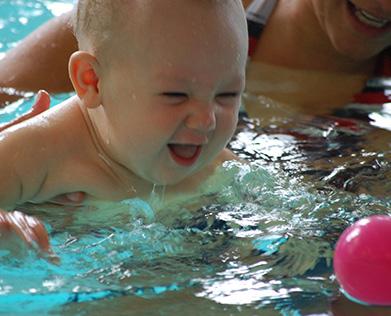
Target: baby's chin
x: 171, y: 179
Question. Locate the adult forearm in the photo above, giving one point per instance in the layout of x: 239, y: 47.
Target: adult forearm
x: 40, y: 61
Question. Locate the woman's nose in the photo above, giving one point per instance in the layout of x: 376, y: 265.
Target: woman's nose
x: 202, y: 117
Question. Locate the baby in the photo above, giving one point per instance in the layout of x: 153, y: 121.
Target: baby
x: 158, y: 87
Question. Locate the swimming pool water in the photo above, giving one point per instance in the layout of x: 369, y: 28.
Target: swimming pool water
x: 19, y: 18
x: 257, y: 239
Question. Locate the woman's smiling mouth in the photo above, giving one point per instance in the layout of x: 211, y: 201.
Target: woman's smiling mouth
x: 367, y: 18
x: 184, y: 154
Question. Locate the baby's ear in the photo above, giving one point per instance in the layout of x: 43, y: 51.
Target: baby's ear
x: 83, y: 73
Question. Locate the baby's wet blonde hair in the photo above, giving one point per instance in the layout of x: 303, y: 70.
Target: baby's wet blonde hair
x: 94, y: 20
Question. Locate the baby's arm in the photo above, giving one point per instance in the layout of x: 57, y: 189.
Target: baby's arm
x: 40, y: 61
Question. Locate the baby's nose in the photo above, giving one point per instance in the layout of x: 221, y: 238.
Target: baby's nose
x: 202, y: 118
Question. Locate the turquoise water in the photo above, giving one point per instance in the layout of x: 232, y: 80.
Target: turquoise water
x: 257, y: 239
x: 18, y: 18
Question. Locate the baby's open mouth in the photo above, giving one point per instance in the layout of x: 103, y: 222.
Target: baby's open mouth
x: 184, y: 154
x: 368, y: 18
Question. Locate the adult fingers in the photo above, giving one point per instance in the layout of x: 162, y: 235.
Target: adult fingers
x: 42, y: 103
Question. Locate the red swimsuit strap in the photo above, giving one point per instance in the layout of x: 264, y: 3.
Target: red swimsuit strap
x: 378, y: 89
x: 258, y: 13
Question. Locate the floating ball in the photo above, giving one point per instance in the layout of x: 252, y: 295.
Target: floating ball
x: 362, y: 260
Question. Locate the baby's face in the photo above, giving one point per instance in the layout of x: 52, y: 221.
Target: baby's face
x: 171, y: 101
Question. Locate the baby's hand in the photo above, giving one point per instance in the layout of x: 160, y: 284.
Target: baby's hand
x: 18, y: 230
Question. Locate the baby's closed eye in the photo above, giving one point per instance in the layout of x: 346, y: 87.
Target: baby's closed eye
x: 228, y: 97
x: 174, y: 97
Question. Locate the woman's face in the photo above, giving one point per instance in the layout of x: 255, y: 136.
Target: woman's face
x: 359, y: 29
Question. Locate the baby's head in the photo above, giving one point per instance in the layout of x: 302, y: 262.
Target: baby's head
x: 167, y: 79
x: 97, y: 22
x: 94, y: 20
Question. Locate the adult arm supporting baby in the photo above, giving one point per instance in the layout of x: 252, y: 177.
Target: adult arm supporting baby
x: 40, y: 61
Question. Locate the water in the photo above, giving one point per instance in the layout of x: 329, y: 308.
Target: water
x: 19, y: 18
x: 354, y: 158
x: 257, y: 239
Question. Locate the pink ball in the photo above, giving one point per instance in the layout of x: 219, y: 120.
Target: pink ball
x: 362, y: 260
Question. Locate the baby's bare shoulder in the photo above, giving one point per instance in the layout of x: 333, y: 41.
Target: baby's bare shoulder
x: 21, y: 162
x: 225, y: 155
x: 32, y: 151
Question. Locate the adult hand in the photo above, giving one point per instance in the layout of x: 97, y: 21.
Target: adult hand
x: 18, y: 230
x: 42, y: 103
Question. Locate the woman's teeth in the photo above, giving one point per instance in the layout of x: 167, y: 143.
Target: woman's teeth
x: 369, y: 19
